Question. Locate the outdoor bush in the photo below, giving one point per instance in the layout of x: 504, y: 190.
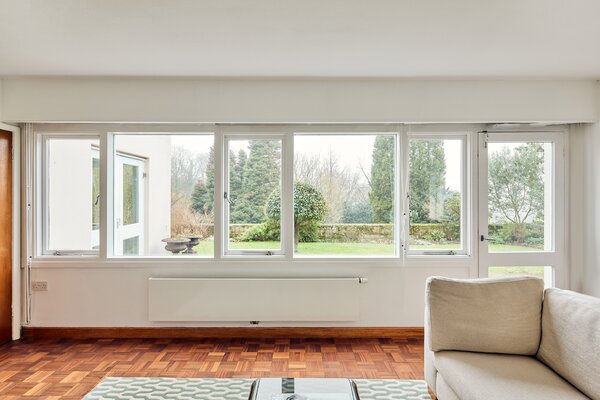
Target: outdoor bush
x: 309, y: 210
x: 436, y: 235
x: 267, y: 231
x: 534, y: 241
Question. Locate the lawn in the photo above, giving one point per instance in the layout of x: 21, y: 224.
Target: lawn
x: 334, y: 248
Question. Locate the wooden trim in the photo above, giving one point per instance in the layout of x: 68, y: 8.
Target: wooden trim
x: 234, y: 332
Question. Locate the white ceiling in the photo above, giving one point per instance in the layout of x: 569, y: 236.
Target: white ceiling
x: 392, y: 38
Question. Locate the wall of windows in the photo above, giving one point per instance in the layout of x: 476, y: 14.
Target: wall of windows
x: 343, y: 198
x: 278, y: 192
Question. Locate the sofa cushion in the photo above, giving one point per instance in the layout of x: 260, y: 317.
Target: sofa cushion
x: 571, y: 338
x: 444, y: 392
x: 476, y: 376
x: 484, y: 315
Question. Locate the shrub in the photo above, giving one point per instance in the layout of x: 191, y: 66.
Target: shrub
x: 436, y: 235
x: 268, y: 231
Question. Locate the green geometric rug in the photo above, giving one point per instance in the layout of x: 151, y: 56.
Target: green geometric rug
x: 236, y: 389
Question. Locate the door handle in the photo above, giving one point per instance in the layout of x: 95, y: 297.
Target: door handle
x: 487, y: 239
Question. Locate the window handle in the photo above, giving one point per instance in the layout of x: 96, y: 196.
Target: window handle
x: 487, y: 239
x: 226, y: 197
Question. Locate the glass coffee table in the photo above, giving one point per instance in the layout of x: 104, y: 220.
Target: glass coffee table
x: 303, y: 389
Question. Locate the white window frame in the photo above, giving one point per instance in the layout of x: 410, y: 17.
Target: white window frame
x: 466, y: 209
x: 367, y: 130
x: 555, y: 255
x: 34, y: 206
x: 41, y: 178
x: 283, y: 189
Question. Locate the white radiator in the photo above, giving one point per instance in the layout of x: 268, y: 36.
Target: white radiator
x: 219, y: 300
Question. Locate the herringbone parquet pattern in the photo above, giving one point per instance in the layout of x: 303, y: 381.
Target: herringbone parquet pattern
x: 68, y: 369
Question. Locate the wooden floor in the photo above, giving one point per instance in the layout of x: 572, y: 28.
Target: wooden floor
x: 68, y: 369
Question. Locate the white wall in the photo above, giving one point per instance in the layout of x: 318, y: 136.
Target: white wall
x: 88, y: 294
x: 70, y: 194
x: 296, y: 100
x: 585, y: 208
x: 105, y: 296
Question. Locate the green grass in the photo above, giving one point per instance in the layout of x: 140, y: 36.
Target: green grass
x: 332, y: 248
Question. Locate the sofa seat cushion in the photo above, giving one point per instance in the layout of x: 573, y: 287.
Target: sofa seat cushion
x: 476, y: 376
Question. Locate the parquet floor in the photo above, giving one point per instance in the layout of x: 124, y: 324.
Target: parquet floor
x: 68, y: 369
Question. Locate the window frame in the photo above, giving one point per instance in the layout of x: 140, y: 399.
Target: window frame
x: 33, y: 207
x: 225, y: 251
x: 112, y: 154
x: 41, y: 179
x: 465, y: 187
x: 370, y: 130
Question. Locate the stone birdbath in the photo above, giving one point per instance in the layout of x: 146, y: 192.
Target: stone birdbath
x: 176, y: 246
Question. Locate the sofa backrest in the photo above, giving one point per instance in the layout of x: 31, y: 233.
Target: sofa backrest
x: 571, y: 338
x: 484, y: 315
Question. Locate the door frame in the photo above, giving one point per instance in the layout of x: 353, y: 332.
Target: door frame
x: 17, y: 280
x: 556, y: 256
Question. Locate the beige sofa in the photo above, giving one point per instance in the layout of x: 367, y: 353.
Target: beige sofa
x: 508, y: 339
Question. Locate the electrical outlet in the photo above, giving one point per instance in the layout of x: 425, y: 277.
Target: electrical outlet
x: 40, y: 286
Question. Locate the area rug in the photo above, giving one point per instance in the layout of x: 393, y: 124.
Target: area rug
x: 236, y: 389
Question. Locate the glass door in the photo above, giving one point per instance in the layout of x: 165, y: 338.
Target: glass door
x: 521, y: 205
x: 129, y: 205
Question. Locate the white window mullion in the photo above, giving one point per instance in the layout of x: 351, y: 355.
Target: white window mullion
x: 220, y: 215
x: 287, y: 196
x: 106, y: 195
x: 400, y: 225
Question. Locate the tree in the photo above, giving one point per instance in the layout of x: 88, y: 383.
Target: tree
x: 261, y: 175
x: 427, y: 166
x: 203, y: 193
x: 357, y: 213
x: 516, y: 186
x: 309, y: 208
x: 338, y: 185
x: 452, y: 216
x: 381, y: 195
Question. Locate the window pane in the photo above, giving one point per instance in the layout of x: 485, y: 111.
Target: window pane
x: 253, y: 196
x: 163, y: 194
x: 131, y: 192
x: 545, y: 273
x: 435, y: 203
x: 95, y: 200
x: 131, y: 246
x: 344, y: 194
x: 71, y: 194
x: 519, y: 197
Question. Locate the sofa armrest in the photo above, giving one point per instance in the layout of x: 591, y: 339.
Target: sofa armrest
x: 484, y: 315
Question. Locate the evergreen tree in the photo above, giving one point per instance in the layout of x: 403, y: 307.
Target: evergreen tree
x: 381, y: 196
x: 427, y: 180
x: 261, y: 176
x: 203, y: 194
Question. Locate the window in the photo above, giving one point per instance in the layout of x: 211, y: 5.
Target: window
x: 302, y: 193
x: 436, y: 195
x: 253, y: 195
x: 345, y: 194
x: 70, y: 190
x: 520, y: 181
x: 163, y: 188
